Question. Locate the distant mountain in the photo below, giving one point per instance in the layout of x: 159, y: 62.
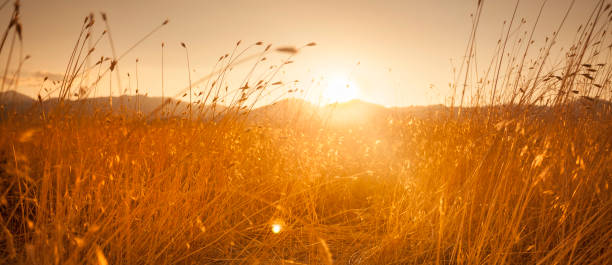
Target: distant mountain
x: 145, y: 105
x: 294, y: 110
x: 289, y: 110
x: 286, y: 110
x: 15, y: 97
x: 421, y: 111
x: 283, y: 111
x: 15, y: 101
x: 354, y: 111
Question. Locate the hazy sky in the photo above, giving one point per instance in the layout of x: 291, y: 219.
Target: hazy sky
x: 415, y: 39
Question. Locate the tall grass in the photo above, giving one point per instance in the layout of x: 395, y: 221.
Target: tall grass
x: 515, y: 171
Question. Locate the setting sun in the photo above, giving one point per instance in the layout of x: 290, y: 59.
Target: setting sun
x: 340, y: 89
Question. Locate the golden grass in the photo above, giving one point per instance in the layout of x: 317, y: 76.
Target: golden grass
x: 515, y: 183
x: 416, y: 191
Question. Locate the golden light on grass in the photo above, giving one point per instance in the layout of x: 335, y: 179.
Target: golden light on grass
x: 100, y: 256
x: 523, y: 180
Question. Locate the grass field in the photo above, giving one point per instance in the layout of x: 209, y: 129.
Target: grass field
x: 515, y: 171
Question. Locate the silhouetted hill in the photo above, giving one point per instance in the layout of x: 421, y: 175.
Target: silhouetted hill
x: 287, y: 110
x: 354, y: 111
x: 15, y: 101
x: 293, y: 110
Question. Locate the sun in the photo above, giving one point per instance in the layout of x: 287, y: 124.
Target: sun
x: 340, y: 89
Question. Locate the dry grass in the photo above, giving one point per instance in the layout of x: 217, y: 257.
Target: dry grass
x: 523, y: 182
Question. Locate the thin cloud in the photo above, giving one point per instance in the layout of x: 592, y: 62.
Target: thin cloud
x: 44, y: 74
x: 32, y: 83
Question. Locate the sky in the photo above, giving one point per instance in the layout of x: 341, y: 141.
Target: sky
x: 393, y: 53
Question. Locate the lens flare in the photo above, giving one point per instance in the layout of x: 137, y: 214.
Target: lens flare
x: 276, y: 228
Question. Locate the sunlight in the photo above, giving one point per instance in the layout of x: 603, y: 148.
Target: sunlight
x: 276, y: 228
x: 251, y: 132
x: 340, y: 89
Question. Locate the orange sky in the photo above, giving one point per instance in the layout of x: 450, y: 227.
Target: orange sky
x: 403, y: 47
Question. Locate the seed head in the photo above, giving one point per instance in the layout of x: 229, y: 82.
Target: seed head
x: 287, y: 49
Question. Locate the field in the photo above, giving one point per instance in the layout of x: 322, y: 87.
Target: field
x: 516, y: 171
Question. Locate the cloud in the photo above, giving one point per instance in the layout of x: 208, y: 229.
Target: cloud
x: 31, y: 79
x: 44, y: 74
x: 31, y: 83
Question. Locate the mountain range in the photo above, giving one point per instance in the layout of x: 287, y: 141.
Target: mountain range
x: 286, y: 110
x: 283, y: 111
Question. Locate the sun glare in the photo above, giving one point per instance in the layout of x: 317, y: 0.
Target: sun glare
x: 340, y: 89
x: 276, y: 228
